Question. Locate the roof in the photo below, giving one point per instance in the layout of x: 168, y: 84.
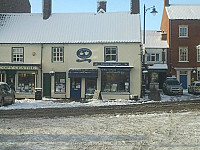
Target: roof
x: 153, y: 40
x: 183, y: 11
x: 158, y: 66
x: 109, y: 27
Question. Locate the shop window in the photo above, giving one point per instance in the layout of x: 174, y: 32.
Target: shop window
x: 198, y: 74
x: 198, y: 53
x: 90, y: 85
x: 183, y: 31
x: 26, y: 82
x: 110, y: 53
x: 17, y: 54
x: 115, y: 81
x: 183, y: 54
x: 2, y: 77
x: 57, y: 54
x: 60, y: 82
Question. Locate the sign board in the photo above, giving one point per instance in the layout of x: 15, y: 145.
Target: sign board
x: 97, y: 95
x: 18, y: 67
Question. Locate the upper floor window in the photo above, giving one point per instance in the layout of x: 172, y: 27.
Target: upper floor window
x: 110, y: 53
x: 153, y: 57
x: 183, y: 31
x: 183, y: 54
x: 198, y: 53
x: 58, y: 54
x: 17, y: 54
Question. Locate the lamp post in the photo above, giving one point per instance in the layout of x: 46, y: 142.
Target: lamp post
x: 154, y: 12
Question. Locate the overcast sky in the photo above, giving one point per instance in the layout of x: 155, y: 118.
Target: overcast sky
x: 79, y: 6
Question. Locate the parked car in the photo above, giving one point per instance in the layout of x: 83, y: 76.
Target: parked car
x: 194, y: 88
x: 172, y: 86
x: 7, y: 95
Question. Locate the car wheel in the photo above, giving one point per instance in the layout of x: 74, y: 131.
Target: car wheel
x: 2, y: 102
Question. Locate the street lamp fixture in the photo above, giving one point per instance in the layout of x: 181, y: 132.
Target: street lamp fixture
x: 154, y: 12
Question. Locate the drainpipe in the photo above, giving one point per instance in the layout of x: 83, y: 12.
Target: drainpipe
x: 42, y: 47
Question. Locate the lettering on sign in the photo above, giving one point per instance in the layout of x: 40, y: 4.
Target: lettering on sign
x: 18, y: 68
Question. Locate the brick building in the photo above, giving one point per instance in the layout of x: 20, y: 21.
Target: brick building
x: 15, y: 6
x: 181, y: 23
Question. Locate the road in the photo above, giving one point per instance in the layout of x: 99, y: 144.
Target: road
x: 125, y: 109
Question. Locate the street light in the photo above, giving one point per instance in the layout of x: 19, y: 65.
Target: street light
x: 154, y: 12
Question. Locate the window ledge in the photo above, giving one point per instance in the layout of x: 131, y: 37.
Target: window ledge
x: 59, y: 93
x: 116, y: 93
x: 183, y: 37
x: 183, y: 61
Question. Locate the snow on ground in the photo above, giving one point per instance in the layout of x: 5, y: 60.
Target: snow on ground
x: 56, y: 103
x: 174, y: 131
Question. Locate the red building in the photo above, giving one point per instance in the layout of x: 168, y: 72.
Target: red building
x: 182, y: 25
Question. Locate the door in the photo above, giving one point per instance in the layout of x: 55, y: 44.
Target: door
x: 75, y: 88
x: 46, y: 85
x: 10, y: 79
x: 183, y: 80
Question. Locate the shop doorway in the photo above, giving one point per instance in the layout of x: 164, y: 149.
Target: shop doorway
x: 10, y: 79
x: 46, y: 85
x: 183, y: 80
x: 75, y: 88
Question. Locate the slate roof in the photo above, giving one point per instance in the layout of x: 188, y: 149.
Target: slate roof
x: 183, y: 11
x: 153, y: 40
x: 109, y: 27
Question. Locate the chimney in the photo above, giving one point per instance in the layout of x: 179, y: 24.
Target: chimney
x: 101, y: 5
x: 46, y: 9
x: 166, y: 3
x: 163, y: 36
x: 135, y: 6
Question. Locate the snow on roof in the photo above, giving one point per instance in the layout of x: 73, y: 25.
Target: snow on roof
x: 183, y: 11
x: 153, y: 40
x: 158, y: 66
x: 70, y: 28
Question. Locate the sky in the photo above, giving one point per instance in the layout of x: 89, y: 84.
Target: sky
x: 84, y: 6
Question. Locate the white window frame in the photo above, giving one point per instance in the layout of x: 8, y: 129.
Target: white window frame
x: 183, y: 51
x: 17, y: 54
x: 183, y: 31
x: 198, y: 53
x: 111, y: 54
x: 57, y: 54
x: 150, y: 57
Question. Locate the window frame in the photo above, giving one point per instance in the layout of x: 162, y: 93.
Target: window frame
x: 111, y: 54
x: 150, y: 57
x: 198, y: 53
x: 18, y: 54
x: 52, y: 58
x: 181, y: 34
x: 183, y: 48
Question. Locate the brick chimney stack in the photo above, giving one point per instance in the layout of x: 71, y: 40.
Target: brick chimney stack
x: 166, y: 3
x: 46, y: 9
x: 135, y: 6
x: 101, y: 5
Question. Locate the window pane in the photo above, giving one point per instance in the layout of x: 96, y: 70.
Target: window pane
x: 60, y: 82
x: 26, y: 82
x: 110, y: 53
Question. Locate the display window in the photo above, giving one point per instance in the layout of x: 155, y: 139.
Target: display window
x: 26, y: 82
x: 115, y: 81
x: 60, y: 82
x: 90, y: 85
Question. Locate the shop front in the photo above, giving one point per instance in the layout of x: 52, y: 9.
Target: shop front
x: 83, y: 83
x: 23, y: 78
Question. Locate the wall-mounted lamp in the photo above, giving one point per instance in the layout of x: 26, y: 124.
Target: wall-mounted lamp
x: 52, y: 73
x: 194, y: 71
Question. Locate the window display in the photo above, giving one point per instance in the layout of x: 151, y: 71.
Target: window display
x: 2, y: 77
x: 26, y: 82
x: 60, y: 82
x: 116, y: 81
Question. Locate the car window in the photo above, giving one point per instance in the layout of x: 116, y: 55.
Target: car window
x: 198, y: 84
x: 173, y: 82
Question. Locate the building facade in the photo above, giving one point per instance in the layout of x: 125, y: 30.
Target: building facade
x: 181, y: 23
x: 71, y: 55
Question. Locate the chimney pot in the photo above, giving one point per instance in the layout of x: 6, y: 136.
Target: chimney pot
x: 135, y: 6
x: 166, y: 3
x: 101, y: 5
x: 46, y: 9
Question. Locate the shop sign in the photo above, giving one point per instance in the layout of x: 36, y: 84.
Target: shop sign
x: 84, y: 54
x: 110, y: 64
x: 18, y: 68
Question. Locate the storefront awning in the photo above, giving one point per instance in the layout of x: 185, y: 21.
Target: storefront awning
x: 115, y: 68
x: 83, y: 73
x: 158, y: 67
